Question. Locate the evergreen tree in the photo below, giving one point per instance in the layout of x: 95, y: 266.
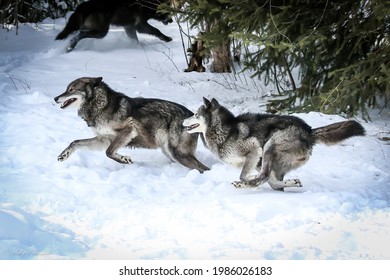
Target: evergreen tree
x: 13, y: 12
x: 208, y: 16
x: 325, y: 55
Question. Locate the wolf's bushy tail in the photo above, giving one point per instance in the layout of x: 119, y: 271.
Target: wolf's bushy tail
x: 337, y: 132
x: 72, y: 25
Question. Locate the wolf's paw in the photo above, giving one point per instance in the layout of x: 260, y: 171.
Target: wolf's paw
x: 64, y: 155
x: 126, y: 160
x: 69, y: 49
x: 241, y: 184
x: 296, y: 183
x: 293, y: 183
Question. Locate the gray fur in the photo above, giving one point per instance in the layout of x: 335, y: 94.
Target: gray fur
x: 272, y: 145
x: 120, y: 121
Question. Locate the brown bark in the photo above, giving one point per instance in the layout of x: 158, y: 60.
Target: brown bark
x: 222, y: 58
x: 197, y: 55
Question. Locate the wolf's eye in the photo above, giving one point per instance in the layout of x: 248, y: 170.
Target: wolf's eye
x: 71, y: 89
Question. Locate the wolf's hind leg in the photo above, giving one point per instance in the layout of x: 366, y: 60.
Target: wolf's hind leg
x: 131, y: 32
x: 146, y: 28
x: 190, y: 161
x: 183, y: 149
x: 98, y: 34
x: 284, y: 163
x: 186, y: 158
x: 91, y: 143
x: 280, y: 184
x: 281, y: 156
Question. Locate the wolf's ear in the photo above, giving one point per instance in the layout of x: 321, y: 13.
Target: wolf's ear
x: 206, y: 102
x: 214, y: 102
x: 96, y: 81
x: 91, y: 83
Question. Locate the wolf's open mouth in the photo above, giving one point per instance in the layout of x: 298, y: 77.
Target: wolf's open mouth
x: 67, y: 102
x: 191, y: 127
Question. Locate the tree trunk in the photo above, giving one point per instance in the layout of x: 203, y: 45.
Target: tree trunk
x: 220, y: 53
x: 222, y: 57
x: 197, y: 55
x: 16, y: 15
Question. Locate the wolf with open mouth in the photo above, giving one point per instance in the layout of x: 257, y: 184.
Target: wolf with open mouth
x: 272, y: 145
x: 120, y: 121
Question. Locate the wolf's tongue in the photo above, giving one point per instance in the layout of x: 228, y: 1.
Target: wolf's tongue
x: 67, y: 102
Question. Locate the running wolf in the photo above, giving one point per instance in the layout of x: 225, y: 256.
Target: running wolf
x: 92, y: 19
x: 271, y: 144
x: 120, y: 121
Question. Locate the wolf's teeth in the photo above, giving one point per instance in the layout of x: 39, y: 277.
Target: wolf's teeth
x: 191, y: 127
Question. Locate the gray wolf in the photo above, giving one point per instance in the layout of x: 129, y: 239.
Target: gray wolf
x: 120, y: 121
x: 92, y: 19
x: 272, y: 145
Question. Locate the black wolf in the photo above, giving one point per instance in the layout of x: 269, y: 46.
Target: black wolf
x: 120, y: 121
x: 271, y: 144
x: 92, y: 19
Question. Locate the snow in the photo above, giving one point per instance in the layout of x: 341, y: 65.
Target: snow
x: 91, y: 207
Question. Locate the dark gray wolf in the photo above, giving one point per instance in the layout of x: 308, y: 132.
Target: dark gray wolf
x: 120, y: 121
x: 271, y: 144
x: 92, y: 19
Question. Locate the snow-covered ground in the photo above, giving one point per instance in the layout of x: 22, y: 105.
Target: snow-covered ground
x: 90, y: 207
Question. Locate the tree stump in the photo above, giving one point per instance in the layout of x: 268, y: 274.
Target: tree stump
x: 197, y: 54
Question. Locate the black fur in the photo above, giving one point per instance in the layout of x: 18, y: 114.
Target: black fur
x: 92, y: 19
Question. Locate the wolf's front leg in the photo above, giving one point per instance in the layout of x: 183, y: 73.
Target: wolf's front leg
x: 123, y: 138
x: 250, y: 182
x: 91, y: 143
x: 251, y: 163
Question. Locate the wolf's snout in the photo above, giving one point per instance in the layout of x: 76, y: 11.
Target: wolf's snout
x: 190, y: 124
x: 191, y: 127
x: 65, y: 101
